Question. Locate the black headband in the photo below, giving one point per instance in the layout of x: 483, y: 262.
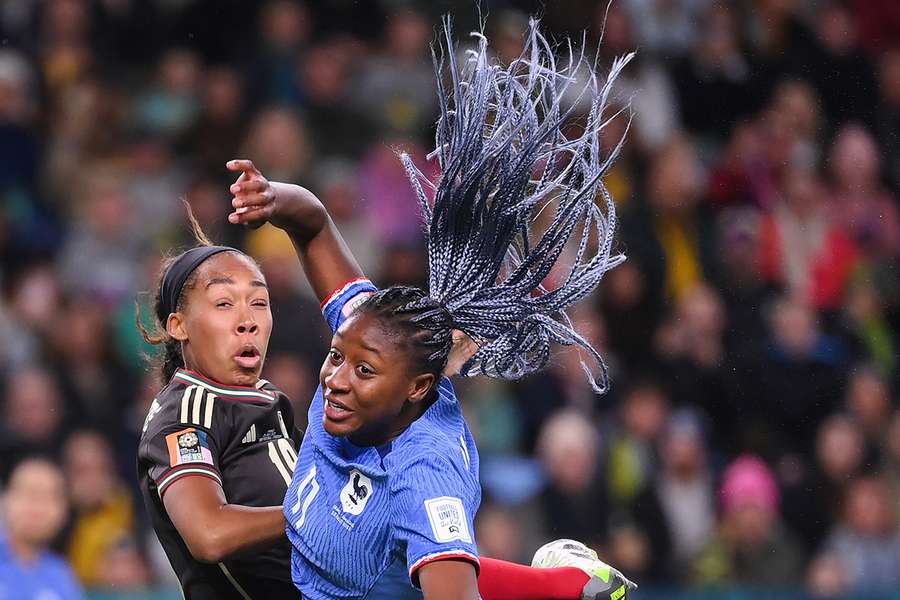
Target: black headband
x: 178, y: 273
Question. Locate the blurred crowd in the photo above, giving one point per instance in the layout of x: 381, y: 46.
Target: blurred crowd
x: 752, y: 434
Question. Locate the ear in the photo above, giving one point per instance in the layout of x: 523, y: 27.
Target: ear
x: 419, y: 387
x: 175, y: 327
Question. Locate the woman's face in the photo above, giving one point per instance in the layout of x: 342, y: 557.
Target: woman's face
x: 226, y: 322
x: 368, y: 390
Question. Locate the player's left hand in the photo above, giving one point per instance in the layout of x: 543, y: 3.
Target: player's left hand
x: 605, y: 583
x: 463, y: 349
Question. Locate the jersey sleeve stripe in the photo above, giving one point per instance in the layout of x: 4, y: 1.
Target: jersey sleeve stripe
x: 444, y: 555
x: 177, y: 473
x: 341, y: 289
x: 185, y: 403
x: 199, y: 394
x: 194, y: 466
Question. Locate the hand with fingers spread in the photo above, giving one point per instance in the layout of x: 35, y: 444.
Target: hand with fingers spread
x: 254, y: 199
x: 326, y: 259
x: 257, y: 201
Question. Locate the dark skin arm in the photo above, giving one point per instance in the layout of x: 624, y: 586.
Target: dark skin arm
x: 326, y: 259
x: 448, y: 580
x: 213, y: 529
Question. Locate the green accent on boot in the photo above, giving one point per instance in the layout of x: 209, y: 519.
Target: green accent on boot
x: 601, y: 572
x: 618, y: 593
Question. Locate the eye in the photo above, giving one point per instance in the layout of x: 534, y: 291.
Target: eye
x: 335, y: 356
x: 260, y: 303
x: 364, y: 370
x: 223, y: 304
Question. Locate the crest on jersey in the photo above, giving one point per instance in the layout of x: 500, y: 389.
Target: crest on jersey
x: 188, y: 446
x: 355, y: 495
x: 448, y: 519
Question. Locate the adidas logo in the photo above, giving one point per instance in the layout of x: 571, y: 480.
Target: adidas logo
x: 251, y: 435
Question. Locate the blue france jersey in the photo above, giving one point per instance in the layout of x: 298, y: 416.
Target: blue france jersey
x: 362, y: 520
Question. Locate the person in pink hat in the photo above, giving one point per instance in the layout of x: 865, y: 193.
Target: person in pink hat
x: 751, y: 546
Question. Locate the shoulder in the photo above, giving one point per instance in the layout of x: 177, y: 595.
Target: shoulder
x: 439, y: 429
x: 434, y: 465
x: 273, y: 390
x: 183, y: 404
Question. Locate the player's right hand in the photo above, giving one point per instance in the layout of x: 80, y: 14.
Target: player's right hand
x: 257, y: 200
x: 605, y: 583
x: 254, y: 198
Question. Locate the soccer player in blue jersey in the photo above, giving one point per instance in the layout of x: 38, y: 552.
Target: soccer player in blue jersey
x: 385, y: 488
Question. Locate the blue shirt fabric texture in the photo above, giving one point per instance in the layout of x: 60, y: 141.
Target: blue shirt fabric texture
x: 362, y: 520
x: 48, y: 577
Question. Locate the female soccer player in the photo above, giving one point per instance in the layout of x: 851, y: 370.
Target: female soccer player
x: 386, y: 484
x: 218, y: 446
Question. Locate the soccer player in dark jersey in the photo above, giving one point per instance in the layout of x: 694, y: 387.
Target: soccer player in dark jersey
x: 218, y: 445
x: 386, y: 486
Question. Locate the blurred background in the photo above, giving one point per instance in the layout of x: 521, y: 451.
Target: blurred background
x: 750, y: 445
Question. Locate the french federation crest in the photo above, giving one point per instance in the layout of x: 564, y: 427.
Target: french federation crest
x: 356, y: 493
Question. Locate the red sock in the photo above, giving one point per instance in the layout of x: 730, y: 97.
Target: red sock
x: 501, y: 580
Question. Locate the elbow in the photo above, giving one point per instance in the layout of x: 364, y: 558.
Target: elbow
x: 208, y: 547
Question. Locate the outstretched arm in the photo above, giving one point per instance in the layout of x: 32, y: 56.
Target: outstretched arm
x: 326, y: 259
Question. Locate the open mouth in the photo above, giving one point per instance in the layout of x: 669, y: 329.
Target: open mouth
x: 249, y: 357
x: 336, y: 411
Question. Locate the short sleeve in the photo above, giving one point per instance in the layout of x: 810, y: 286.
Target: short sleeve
x: 342, y: 301
x: 434, y: 509
x: 181, y: 449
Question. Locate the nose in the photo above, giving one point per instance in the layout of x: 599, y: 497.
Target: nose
x: 247, y: 327
x: 247, y: 324
x: 336, y: 378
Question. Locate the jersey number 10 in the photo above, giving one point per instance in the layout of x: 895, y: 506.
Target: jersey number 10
x: 282, y: 455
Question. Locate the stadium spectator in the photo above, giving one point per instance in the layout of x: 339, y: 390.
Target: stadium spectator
x: 33, y: 416
x: 278, y: 143
x: 887, y: 117
x: 751, y: 546
x: 685, y: 489
x: 671, y: 240
x: 866, y: 210
x: 865, y: 545
x: 103, y: 510
x: 892, y: 453
x: 869, y: 402
x: 804, y: 249
x: 814, y: 496
x: 801, y: 375
x: 34, y: 510
x: 575, y: 501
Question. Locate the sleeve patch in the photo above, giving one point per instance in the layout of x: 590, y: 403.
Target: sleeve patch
x: 448, y: 519
x: 188, y: 446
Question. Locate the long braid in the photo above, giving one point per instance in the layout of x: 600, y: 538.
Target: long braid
x: 504, y: 158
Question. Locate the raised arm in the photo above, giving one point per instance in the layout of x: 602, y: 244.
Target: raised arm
x: 325, y: 257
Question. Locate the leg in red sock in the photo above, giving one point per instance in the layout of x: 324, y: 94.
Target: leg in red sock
x: 501, y: 580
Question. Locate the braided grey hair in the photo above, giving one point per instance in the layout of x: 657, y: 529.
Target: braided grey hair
x: 504, y: 158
